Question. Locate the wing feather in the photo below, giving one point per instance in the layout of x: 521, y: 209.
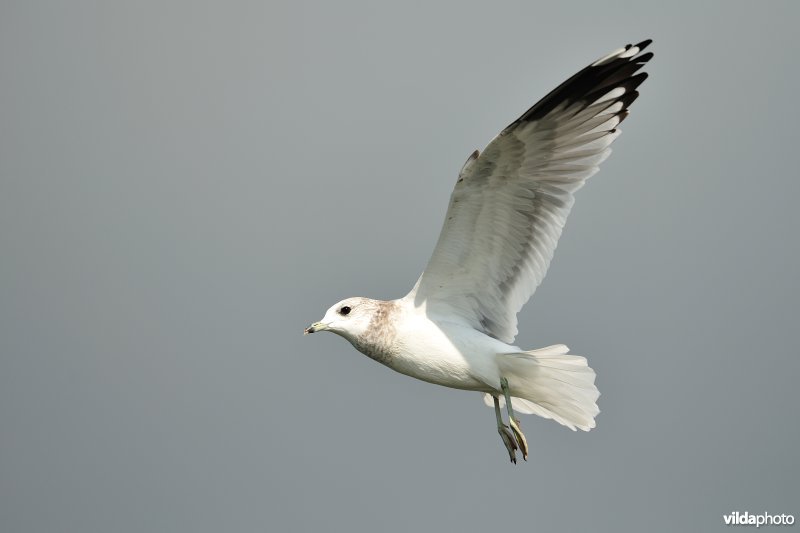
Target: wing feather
x: 510, y: 202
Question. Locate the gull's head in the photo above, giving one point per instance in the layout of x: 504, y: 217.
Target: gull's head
x: 349, y: 318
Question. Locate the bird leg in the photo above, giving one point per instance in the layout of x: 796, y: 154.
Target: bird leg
x: 502, y: 429
x: 514, y: 423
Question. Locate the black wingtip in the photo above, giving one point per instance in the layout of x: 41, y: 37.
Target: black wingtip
x: 593, y: 81
x: 628, y: 98
x: 644, y: 58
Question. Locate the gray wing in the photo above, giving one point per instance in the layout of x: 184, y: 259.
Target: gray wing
x: 510, y: 202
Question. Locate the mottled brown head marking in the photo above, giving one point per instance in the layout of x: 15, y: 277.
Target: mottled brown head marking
x: 367, y: 324
x: 378, y: 339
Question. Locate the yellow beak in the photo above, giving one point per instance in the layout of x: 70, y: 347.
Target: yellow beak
x: 316, y: 326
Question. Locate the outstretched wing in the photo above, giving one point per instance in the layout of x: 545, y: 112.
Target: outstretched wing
x: 510, y: 202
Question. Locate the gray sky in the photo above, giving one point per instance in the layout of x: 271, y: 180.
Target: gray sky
x: 184, y: 186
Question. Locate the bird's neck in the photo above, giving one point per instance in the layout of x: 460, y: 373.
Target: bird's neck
x: 377, y: 341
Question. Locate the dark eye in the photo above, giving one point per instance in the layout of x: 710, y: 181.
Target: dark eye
x: 345, y: 310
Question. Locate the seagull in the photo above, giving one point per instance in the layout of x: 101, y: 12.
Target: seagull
x: 456, y: 327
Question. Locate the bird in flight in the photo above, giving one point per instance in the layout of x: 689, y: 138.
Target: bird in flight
x: 457, y: 326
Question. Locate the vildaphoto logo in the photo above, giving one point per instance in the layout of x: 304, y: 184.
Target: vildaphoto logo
x: 764, y: 519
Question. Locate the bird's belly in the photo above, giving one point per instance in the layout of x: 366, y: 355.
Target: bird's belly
x: 437, y: 369
x: 430, y: 354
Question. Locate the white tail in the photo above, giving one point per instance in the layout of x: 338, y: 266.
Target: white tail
x: 552, y: 384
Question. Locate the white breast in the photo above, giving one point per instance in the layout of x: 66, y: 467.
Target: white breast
x: 444, y: 353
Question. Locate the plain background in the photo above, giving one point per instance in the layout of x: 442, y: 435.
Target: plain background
x: 184, y: 186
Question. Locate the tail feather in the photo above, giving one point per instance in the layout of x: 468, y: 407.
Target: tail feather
x: 552, y: 384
